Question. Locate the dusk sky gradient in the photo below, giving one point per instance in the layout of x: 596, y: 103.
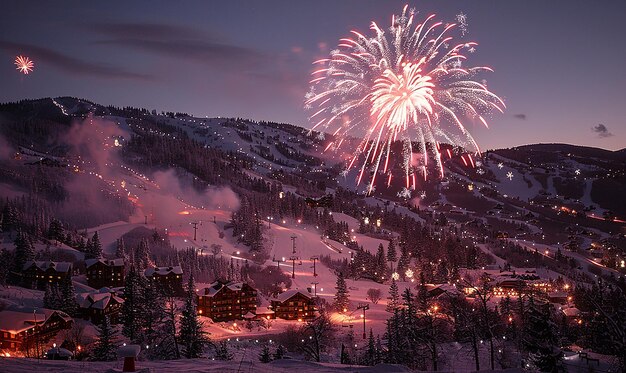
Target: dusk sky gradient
x: 559, y: 65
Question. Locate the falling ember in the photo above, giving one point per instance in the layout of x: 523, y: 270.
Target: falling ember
x: 402, y: 84
x: 184, y: 212
x: 24, y: 64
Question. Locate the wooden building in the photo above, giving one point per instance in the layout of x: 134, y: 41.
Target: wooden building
x: 225, y: 301
x: 169, y: 279
x: 104, y: 272
x: 96, y: 305
x: 37, y: 275
x: 25, y: 330
x: 294, y: 305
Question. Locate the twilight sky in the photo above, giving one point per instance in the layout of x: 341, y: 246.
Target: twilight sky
x: 559, y: 65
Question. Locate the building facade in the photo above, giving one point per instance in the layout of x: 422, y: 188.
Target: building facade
x: 169, y: 279
x: 95, y: 306
x: 104, y: 272
x: 225, y: 301
x: 37, y: 275
x: 25, y: 330
x: 294, y: 305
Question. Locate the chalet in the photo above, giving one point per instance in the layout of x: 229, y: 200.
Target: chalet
x: 509, y: 287
x: 294, y: 305
x: 435, y: 291
x: 166, y: 278
x: 39, y: 274
x: 96, y: 305
x: 24, y: 329
x: 224, y: 301
x: 559, y: 297
x: 103, y: 272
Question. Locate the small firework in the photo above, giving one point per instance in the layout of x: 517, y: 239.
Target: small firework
x: 500, y: 165
x: 577, y: 172
x: 422, y: 194
x: 461, y: 19
x: 404, y: 193
x: 509, y: 175
x: 24, y: 64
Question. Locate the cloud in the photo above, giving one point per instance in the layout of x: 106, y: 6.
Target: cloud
x: 520, y: 116
x: 154, y: 31
x: 46, y: 56
x: 175, y: 185
x: 6, y: 150
x: 182, y: 43
x: 601, y: 131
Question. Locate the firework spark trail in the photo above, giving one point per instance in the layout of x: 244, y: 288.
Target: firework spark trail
x: 405, y: 83
x: 24, y: 64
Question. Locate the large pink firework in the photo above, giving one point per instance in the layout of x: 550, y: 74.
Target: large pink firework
x: 24, y: 64
x: 406, y: 83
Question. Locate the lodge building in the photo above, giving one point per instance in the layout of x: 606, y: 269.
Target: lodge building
x: 104, y: 272
x: 294, y: 305
x: 225, y: 301
x: 37, y: 275
x: 24, y: 329
x: 169, y: 279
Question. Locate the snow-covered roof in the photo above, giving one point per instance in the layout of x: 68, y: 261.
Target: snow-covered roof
x: 163, y: 271
x: 571, y: 312
x: 249, y: 315
x: 97, y: 300
x: 558, y: 294
x: 59, y: 352
x: 57, y: 266
x: 16, y: 322
x: 438, y: 289
x: 217, y: 286
x: 15, y: 319
x: 290, y: 293
x: 108, y: 262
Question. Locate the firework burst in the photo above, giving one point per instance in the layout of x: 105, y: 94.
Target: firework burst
x: 402, y: 84
x: 24, y: 64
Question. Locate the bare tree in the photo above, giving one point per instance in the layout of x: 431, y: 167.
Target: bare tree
x: 317, y: 335
x: 374, y: 295
x: 216, y: 249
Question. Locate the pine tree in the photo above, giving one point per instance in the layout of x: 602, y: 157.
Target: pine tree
x: 133, y: 306
x: 55, y: 230
x: 265, y: 356
x: 47, y: 297
x: 392, y: 254
x: 68, y: 304
x: 394, y: 297
x: 222, y: 352
x: 9, y: 218
x: 404, y: 261
x: 120, y: 249
x: 94, y: 247
x: 191, y: 334
x: 279, y: 353
x: 370, y: 354
x: 142, y: 255
x: 106, y: 346
x: 24, y: 252
x: 539, y: 339
x: 381, y: 265
x: 342, y: 302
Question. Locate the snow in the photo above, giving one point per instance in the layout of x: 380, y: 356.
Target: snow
x: 250, y: 364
